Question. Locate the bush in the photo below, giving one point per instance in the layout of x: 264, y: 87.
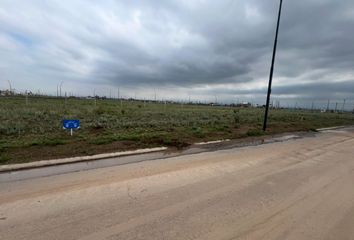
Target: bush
x: 254, y: 133
x: 236, y: 117
x: 4, y: 158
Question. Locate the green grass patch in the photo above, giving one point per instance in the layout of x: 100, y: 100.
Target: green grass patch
x: 255, y: 133
x: 47, y: 142
x: 4, y: 159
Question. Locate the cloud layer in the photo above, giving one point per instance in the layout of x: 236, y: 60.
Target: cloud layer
x: 180, y: 47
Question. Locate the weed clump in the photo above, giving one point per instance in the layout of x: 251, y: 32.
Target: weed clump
x: 255, y: 133
x: 236, y: 118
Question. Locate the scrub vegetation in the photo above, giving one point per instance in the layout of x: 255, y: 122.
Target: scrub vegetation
x: 33, y: 130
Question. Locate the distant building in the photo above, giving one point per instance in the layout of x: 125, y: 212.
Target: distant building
x: 244, y: 105
x: 7, y: 93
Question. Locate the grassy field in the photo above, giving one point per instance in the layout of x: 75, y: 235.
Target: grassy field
x: 33, y: 131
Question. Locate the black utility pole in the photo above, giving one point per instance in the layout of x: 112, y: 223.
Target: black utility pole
x: 272, y: 69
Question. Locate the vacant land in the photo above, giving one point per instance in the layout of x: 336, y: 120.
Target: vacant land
x: 33, y: 130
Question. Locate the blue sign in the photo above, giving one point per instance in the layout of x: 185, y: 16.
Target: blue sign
x: 71, y: 124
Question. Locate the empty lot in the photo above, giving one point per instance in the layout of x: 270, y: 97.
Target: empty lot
x: 33, y: 131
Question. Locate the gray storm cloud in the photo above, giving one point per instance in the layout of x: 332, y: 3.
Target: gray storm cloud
x: 209, y: 47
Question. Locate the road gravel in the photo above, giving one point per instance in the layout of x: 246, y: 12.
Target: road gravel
x: 297, y: 189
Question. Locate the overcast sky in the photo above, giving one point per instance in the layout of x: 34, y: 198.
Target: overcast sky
x: 201, y: 48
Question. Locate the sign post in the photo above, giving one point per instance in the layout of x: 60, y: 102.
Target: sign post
x: 71, y: 124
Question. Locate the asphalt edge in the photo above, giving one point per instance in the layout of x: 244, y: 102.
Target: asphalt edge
x: 53, y: 162
x: 330, y: 128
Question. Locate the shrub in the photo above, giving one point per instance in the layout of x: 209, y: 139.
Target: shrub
x: 254, y: 133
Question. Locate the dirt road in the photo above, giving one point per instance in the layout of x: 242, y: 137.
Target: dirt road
x: 299, y: 189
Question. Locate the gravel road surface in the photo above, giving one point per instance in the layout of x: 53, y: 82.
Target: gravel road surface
x: 297, y: 189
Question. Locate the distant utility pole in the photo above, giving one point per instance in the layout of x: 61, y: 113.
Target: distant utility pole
x: 94, y: 95
x: 328, y: 105
x: 10, y: 85
x: 272, y: 69
x: 343, y: 105
x: 26, y: 93
x: 61, y: 84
